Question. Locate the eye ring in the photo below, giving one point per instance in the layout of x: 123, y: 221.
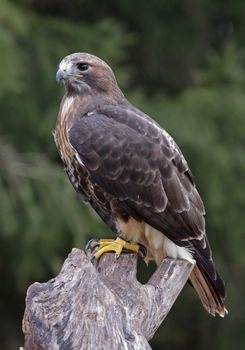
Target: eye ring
x: 82, y: 66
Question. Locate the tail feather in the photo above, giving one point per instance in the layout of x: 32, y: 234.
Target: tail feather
x: 211, y: 298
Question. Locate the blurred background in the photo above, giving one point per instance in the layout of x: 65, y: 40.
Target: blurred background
x: 182, y: 62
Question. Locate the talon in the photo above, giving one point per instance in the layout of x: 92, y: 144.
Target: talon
x: 95, y: 262
x: 92, y: 244
x: 110, y: 245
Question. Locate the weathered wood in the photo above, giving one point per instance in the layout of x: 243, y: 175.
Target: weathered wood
x: 104, y: 308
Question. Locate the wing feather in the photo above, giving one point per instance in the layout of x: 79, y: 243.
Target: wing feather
x: 130, y: 157
x: 139, y: 163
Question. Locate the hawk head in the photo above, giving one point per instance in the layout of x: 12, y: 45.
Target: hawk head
x: 84, y: 73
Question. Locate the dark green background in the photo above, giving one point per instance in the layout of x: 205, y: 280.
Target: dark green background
x: 182, y: 62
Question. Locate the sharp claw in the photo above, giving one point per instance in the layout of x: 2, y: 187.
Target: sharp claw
x: 97, y: 247
x: 95, y: 262
x: 92, y: 245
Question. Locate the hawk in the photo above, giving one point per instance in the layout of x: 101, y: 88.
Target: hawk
x: 133, y: 174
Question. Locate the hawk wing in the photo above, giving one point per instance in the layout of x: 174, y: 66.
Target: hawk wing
x: 137, y: 162
x: 130, y: 157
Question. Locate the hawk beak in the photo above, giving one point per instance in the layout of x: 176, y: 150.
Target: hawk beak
x: 60, y: 75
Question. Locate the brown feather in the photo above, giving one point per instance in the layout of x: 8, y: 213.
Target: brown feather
x: 207, y: 294
x: 133, y: 173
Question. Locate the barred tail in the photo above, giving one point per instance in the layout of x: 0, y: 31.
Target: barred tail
x: 210, y: 291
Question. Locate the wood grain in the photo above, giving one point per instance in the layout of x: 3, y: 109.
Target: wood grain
x: 85, y: 307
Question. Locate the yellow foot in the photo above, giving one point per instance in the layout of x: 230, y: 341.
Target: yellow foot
x: 118, y: 246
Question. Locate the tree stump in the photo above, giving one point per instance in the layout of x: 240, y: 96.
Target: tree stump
x: 89, y: 308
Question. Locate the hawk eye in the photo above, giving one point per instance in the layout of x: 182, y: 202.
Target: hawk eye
x: 82, y: 67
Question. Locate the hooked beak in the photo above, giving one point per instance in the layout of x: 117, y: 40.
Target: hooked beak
x: 60, y: 75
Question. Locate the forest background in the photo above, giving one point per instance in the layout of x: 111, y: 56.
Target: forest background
x: 182, y: 62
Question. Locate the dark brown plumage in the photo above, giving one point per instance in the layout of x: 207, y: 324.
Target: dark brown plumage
x: 132, y: 172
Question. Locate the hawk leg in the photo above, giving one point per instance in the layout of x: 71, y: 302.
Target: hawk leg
x: 114, y: 245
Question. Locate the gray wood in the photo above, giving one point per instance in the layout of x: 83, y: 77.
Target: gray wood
x: 101, y: 308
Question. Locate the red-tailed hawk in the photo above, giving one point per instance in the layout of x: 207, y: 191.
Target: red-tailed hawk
x: 132, y: 173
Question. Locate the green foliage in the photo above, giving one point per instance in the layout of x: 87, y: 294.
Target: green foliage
x: 182, y: 63
x: 46, y: 216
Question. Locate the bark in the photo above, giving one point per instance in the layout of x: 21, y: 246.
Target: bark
x: 89, y: 308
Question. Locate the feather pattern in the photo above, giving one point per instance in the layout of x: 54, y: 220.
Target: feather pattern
x: 143, y: 168
x: 146, y: 172
x: 132, y: 172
